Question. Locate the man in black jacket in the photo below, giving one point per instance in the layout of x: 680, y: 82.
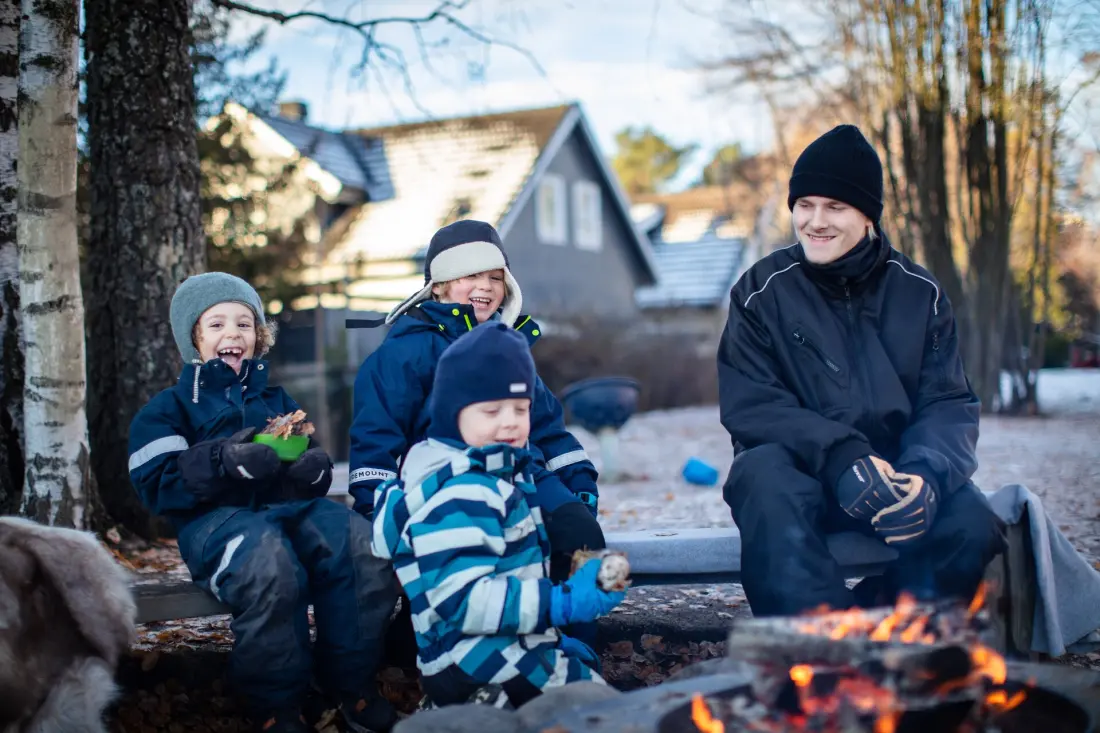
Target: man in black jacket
x: 842, y: 388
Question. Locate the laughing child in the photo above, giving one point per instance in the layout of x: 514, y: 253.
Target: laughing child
x: 255, y: 531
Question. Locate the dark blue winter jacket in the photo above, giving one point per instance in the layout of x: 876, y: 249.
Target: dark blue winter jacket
x: 209, y: 401
x: 391, y: 410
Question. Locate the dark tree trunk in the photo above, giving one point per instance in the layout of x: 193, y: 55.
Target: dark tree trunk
x: 11, y: 349
x: 146, y: 225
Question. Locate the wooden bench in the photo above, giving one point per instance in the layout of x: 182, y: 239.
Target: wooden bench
x: 687, y: 557
x: 657, y: 557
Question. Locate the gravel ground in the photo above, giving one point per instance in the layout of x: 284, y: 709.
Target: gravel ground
x: 1056, y: 457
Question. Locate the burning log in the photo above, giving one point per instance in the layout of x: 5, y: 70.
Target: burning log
x: 913, y: 667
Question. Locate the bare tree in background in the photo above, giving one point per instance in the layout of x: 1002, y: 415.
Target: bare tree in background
x: 58, y: 486
x: 955, y: 94
x: 146, y: 228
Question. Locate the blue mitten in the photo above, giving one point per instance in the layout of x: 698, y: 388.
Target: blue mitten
x: 579, y: 650
x: 580, y: 599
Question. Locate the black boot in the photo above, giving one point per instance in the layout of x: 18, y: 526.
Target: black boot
x: 281, y: 721
x: 370, y: 713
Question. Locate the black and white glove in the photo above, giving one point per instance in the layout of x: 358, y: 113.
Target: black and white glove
x: 900, y: 506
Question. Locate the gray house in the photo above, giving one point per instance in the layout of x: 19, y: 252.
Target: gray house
x: 537, y: 175
x: 701, y: 241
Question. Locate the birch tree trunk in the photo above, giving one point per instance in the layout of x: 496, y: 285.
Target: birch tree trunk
x: 55, y: 427
x: 146, y: 229
x: 11, y: 351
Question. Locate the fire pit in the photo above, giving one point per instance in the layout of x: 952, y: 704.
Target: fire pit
x: 911, y: 668
x: 914, y: 667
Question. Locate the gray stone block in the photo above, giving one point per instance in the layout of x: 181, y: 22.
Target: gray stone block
x: 544, y: 709
x: 462, y: 719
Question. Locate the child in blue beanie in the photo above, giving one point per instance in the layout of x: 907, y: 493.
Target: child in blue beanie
x: 256, y: 532
x: 465, y: 531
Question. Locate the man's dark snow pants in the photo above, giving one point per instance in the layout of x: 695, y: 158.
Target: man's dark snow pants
x: 268, y: 565
x: 786, y: 568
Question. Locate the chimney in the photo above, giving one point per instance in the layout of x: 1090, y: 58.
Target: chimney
x: 297, y: 111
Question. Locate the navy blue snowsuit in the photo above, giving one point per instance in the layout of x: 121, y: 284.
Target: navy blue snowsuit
x: 391, y: 415
x: 267, y: 561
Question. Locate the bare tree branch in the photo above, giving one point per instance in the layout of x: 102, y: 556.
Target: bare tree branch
x: 444, y: 13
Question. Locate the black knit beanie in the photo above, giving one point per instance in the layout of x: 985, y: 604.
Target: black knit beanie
x: 491, y: 362
x: 840, y: 165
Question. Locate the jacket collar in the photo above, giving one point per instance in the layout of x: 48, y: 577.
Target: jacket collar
x: 498, y: 460
x: 853, y: 272
x: 455, y: 319
x: 216, y: 375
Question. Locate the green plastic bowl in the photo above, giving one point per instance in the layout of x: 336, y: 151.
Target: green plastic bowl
x: 288, y: 449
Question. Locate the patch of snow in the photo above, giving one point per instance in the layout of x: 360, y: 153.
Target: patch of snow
x: 1063, y: 391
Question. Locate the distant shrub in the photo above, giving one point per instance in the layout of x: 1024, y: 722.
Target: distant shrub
x: 673, y: 370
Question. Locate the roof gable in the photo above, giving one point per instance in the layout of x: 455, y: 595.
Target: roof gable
x: 480, y: 167
x: 443, y: 170
x: 356, y: 161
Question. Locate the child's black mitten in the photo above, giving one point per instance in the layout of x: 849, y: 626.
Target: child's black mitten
x: 311, y: 475
x: 211, y: 467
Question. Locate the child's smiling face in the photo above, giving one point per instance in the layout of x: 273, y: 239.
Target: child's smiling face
x: 227, y: 331
x: 484, y: 291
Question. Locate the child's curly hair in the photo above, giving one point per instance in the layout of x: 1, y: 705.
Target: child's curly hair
x: 265, y: 337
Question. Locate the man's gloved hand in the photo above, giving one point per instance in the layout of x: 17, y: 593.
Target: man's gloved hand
x: 580, y: 599
x: 912, y: 517
x: 579, y: 650
x: 244, y: 460
x: 900, y: 506
x: 310, y: 476
x: 868, y: 487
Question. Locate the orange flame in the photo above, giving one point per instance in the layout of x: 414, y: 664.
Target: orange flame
x: 977, y: 601
x: 802, y: 675
x: 701, y: 716
x: 999, y: 700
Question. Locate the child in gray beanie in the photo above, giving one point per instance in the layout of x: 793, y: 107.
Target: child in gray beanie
x: 257, y: 531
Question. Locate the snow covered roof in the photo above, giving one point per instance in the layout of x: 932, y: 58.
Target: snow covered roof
x: 693, y: 274
x: 471, y: 167
x: 356, y: 161
x: 478, y: 167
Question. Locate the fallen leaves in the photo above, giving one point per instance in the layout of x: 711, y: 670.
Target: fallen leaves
x: 653, y: 660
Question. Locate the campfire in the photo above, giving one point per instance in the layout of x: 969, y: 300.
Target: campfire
x: 913, y: 667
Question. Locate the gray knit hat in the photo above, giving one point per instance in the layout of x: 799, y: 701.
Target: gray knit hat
x: 197, y: 294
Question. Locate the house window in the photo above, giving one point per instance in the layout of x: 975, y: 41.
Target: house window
x: 587, y: 222
x: 550, y: 210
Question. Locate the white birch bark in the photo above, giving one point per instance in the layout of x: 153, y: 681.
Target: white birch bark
x: 55, y: 424
x: 11, y: 351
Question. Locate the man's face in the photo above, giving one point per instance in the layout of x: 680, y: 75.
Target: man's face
x: 497, y: 421
x: 828, y: 229
x: 484, y: 291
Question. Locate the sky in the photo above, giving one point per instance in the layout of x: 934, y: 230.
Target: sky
x: 628, y: 62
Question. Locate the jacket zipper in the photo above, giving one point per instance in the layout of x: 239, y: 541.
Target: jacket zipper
x: 855, y: 336
x: 814, y: 348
